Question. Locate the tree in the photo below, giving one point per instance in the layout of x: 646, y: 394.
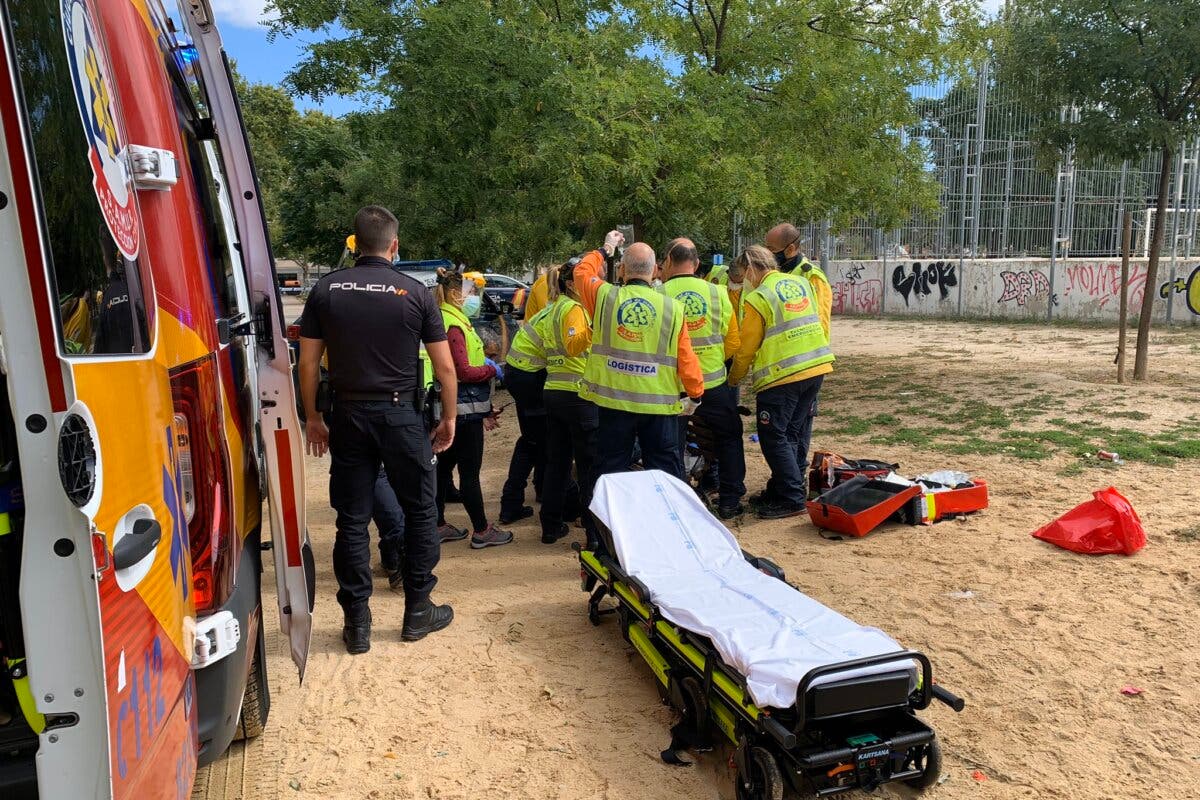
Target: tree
x: 516, y: 130
x: 1131, y: 69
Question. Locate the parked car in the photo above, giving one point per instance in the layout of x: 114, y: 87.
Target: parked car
x: 505, y: 287
x: 289, y: 283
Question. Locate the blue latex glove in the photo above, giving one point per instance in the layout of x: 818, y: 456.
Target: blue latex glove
x: 497, y: 367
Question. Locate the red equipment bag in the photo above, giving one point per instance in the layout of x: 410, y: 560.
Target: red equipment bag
x: 860, y: 505
x: 1107, y: 524
x: 829, y: 470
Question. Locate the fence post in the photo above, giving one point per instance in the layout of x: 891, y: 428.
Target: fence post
x: 980, y: 143
x: 1181, y: 163
x: 1054, y: 238
x: 1008, y: 181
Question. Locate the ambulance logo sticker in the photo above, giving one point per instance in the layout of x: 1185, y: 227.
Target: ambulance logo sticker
x: 793, y: 294
x: 695, y: 309
x: 634, y: 317
x: 106, y: 151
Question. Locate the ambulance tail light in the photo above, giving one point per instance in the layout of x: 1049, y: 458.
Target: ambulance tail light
x: 203, y: 482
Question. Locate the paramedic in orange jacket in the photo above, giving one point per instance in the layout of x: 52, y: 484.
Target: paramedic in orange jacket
x: 638, y: 368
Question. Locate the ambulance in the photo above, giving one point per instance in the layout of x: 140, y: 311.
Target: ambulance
x: 146, y: 407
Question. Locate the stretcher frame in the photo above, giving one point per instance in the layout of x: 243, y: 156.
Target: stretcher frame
x: 841, y: 735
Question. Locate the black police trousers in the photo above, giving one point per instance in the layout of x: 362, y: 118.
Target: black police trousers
x: 362, y: 436
x: 529, y: 453
x: 389, y: 519
x: 718, y: 411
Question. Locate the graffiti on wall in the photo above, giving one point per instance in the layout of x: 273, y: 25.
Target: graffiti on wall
x: 854, y: 293
x: 1025, y: 285
x: 920, y: 280
x: 1102, y: 283
x: 1189, y: 287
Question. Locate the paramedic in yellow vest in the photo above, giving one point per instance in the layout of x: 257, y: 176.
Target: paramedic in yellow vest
x: 525, y: 378
x: 573, y: 423
x: 731, y: 279
x: 713, y: 330
x: 458, y: 296
x: 785, y: 349
x: 641, y: 362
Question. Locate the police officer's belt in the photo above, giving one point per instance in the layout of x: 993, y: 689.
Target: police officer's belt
x: 376, y: 397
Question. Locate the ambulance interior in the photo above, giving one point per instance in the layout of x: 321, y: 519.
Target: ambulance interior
x: 18, y: 742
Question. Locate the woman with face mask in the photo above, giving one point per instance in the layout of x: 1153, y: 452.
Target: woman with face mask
x: 459, y: 300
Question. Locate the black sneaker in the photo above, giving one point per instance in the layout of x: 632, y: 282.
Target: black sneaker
x: 551, y: 538
x: 730, y: 512
x: 356, y: 633
x: 765, y: 497
x: 780, y: 509
x: 395, y: 580
x: 524, y: 512
x: 425, y: 618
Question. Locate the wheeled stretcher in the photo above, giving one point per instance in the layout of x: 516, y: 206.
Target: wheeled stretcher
x: 811, y: 701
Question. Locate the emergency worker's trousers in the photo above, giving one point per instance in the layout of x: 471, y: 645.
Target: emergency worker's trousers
x: 785, y: 423
x: 572, y: 428
x: 362, y: 436
x: 529, y: 453
x: 656, y: 434
x: 718, y: 411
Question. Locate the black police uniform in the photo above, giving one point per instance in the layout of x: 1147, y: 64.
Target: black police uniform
x: 373, y: 320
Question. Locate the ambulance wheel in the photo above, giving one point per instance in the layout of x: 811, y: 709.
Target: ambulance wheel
x: 764, y: 781
x: 256, y: 702
x: 933, y: 767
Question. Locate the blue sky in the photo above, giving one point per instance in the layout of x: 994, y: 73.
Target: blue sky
x: 242, y: 29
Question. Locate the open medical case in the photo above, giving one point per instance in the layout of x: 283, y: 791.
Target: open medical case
x: 834, y: 724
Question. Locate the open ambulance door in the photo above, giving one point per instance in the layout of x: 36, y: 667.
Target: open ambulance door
x: 281, y: 437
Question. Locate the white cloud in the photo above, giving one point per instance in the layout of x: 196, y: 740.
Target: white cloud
x: 243, y: 13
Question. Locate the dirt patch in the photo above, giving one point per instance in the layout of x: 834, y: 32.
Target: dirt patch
x: 522, y: 698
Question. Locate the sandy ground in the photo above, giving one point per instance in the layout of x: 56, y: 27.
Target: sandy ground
x: 522, y: 698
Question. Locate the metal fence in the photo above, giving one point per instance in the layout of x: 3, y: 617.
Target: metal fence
x: 1000, y: 198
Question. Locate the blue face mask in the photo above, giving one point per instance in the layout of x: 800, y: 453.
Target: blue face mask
x: 471, y: 306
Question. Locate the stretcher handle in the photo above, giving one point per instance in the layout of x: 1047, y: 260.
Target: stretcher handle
x: 949, y: 698
x: 786, y: 738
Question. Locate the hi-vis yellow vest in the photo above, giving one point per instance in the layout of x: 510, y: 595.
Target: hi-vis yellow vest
x: 634, y: 363
x: 474, y: 399
x: 706, y: 310
x: 527, y: 351
x: 793, y: 338
x: 739, y: 310
x: 426, y: 367
x: 563, y: 372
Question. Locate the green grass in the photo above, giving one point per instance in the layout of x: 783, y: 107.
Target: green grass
x: 1188, y: 534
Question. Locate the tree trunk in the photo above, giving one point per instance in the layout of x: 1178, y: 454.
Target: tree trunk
x: 1141, y: 358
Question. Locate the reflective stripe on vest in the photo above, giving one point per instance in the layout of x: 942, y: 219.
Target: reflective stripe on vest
x: 793, y: 337
x: 564, y: 372
x: 527, y: 351
x: 473, y: 398
x: 704, y: 313
x: 633, y: 363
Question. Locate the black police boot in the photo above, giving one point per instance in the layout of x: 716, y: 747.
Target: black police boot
x: 356, y: 632
x: 423, y: 618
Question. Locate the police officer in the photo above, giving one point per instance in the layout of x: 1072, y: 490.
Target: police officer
x: 373, y: 321
x: 641, y: 361
x: 713, y: 330
x: 785, y: 346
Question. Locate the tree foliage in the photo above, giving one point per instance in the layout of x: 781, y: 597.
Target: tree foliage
x: 506, y: 131
x: 1127, y: 74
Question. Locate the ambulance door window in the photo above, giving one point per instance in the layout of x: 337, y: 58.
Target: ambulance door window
x: 91, y: 226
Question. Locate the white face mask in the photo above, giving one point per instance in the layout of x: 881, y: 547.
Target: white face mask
x: 656, y: 283
x: 737, y: 287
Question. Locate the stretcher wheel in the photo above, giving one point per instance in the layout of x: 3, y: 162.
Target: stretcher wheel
x: 933, y: 767
x: 764, y: 781
x: 695, y: 709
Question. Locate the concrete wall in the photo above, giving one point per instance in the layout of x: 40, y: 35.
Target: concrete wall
x: 1085, y: 290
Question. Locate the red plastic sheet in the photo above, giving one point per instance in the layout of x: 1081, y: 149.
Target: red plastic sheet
x: 1107, y: 524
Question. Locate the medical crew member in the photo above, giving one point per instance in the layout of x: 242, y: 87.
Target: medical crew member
x: 373, y: 320
x: 785, y: 347
x: 539, y: 296
x: 713, y: 330
x: 730, y: 278
x: 525, y: 377
x: 641, y: 361
x: 460, y: 302
x: 573, y: 423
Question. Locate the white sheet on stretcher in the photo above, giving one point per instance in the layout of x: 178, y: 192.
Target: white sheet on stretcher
x: 697, y: 577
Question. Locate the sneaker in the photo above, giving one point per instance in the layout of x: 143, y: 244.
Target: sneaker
x: 524, y: 512
x: 356, y: 633
x: 551, y: 538
x: 424, y: 618
x: 449, y: 533
x: 780, y: 509
x: 729, y: 512
x: 491, y: 536
x: 395, y: 580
